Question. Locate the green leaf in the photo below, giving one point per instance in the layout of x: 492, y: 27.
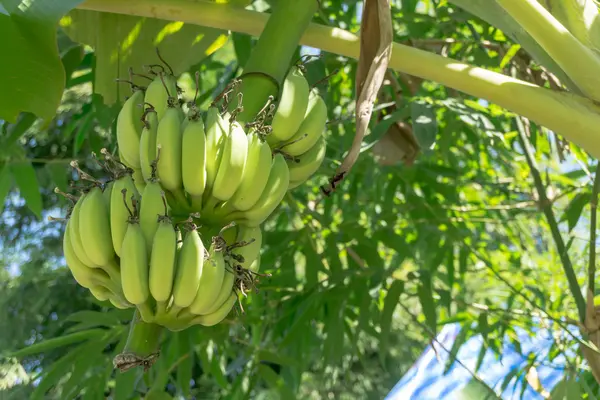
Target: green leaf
x: 243, y: 47
x: 456, y: 345
x: 18, y: 129
x: 123, y: 41
x: 57, y: 342
x: 95, y: 318
x: 34, y: 77
x: 391, y: 301
x: 574, y: 209
x: 71, y: 60
x: 425, y: 293
x: 275, y: 381
x: 53, y: 374
x: 125, y: 384
x: 83, y: 128
x: 424, y: 123
x: 27, y: 182
x: 59, y: 174
x: 276, y: 358
x: 5, y: 184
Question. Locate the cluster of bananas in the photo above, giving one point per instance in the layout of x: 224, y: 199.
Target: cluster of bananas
x: 175, y: 231
x: 126, y: 247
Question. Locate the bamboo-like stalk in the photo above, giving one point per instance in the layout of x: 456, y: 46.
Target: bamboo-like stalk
x: 574, y: 117
x: 577, y: 60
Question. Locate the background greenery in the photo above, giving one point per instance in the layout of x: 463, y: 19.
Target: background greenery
x: 362, y: 280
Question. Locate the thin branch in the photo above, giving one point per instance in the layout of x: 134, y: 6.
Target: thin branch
x: 546, y: 207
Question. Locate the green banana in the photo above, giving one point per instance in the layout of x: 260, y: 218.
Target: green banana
x: 276, y: 187
x: 75, y: 235
x: 169, y: 139
x: 256, y: 174
x: 100, y: 292
x: 291, y: 108
x: 189, y: 269
x: 215, y: 136
x: 250, y: 251
x: 134, y: 264
x: 85, y: 276
x: 108, y: 186
x: 231, y: 166
x: 151, y: 208
x: 129, y: 129
x: 163, y: 260
x: 308, y: 163
x: 119, y: 215
x: 219, y: 314
x: 209, y: 288
x: 138, y: 180
x: 94, y: 228
x: 310, y: 130
x: 224, y: 292
x: 148, y: 144
x: 158, y: 95
x: 193, y: 158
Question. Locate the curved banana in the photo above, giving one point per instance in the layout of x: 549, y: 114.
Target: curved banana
x: 224, y: 292
x: 291, y: 108
x: 308, y: 163
x: 129, y: 128
x: 219, y: 314
x: 75, y: 236
x: 213, y: 273
x: 138, y: 180
x: 277, y: 186
x: 148, y: 144
x: 100, y: 292
x: 256, y: 175
x: 119, y: 304
x: 94, y: 228
x: 250, y: 251
x: 85, y: 276
x: 163, y: 260
x: 215, y: 136
x: 310, y: 130
x: 231, y: 166
x: 158, y: 95
x: 134, y: 265
x: 193, y: 158
x: 108, y: 186
x: 119, y: 215
x: 189, y: 269
x: 169, y: 139
x: 151, y: 208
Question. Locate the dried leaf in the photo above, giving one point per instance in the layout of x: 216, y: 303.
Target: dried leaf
x: 376, y: 39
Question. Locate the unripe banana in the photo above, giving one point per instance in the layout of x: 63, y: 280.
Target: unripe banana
x: 163, y: 261
x: 134, y: 265
x: 310, y: 130
x: 158, y: 96
x: 75, y: 236
x: 308, y: 163
x: 256, y: 174
x: 291, y: 108
x: 86, y: 277
x: 151, y: 208
x: 251, y: 251
x: 100, y: 292
x: 138, y: 180
x: 231, y: 167
x: 169, y: 140
x: 224, y: 292
x: 129, y: 129
x: 193, y: 159
x: 189, y: 269
x: 277, y: 185
x: 215, y: 136
x: 94, y: 228
x: 119, y: 304
x: 219, y: 314
x: 107, y: 193
x: 209, y: 288
x: 119, y: 215
x: 148, y: 144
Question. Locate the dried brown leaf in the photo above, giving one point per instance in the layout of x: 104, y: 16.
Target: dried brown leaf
x: 376, y: 39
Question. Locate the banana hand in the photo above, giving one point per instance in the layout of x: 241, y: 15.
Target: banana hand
x: 189, y: 269
x: 310, y: 130
x: 129, y: 129
x: 213, y: 273
x: 134, y: 265
x: 308, y: 163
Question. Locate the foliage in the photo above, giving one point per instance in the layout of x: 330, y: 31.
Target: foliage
x: 363, y: 279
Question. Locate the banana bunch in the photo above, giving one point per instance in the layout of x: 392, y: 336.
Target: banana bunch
x: 297, y: 127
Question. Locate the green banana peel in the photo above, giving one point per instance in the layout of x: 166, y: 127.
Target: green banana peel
x: 574, y: 117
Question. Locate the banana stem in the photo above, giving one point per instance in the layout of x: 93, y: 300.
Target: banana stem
x: 144, y: 338
x: 574, y: 117
x: 577, y: 60
x: 273, y: 53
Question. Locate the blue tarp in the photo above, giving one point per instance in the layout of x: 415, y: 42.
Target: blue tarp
x: 426, y: 380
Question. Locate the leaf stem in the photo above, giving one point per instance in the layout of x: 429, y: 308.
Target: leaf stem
x: 575, y: 117
x: 546, y: 206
